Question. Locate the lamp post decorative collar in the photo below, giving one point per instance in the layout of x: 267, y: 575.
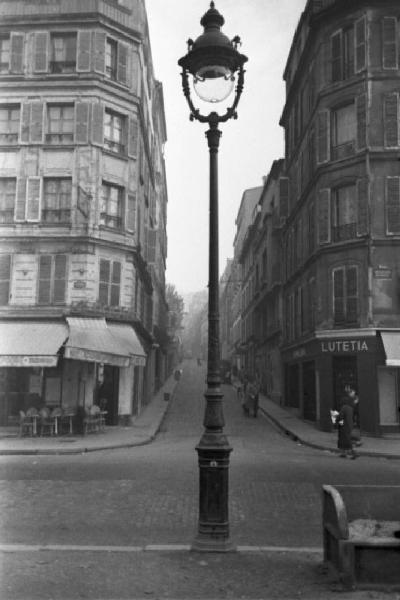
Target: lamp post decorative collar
x: 214, y: 64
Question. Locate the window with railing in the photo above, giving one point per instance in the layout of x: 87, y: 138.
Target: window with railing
x: 111, y: 204
x: 4, y: 54
x: 344, y: 213
x: 63, y: 53
x: 60, y: 124
x: 7, y: 199
x: 56, y: 205
x: 114, y: 132
x: 344, y: 129
x: 9, y: 124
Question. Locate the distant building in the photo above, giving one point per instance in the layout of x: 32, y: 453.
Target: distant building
x: 83, y: 203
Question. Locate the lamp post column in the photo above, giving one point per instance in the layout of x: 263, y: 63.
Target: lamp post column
x: 213, y: 449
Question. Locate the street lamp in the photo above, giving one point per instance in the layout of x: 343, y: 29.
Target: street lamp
x: 214, y: 65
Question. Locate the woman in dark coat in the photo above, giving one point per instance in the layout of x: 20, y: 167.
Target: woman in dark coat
x: 344, y: 422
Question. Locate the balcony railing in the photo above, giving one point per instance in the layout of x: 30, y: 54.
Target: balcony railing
x: 110, y: 221
x: 345, y: 232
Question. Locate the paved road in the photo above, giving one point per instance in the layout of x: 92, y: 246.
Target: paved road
x: 148, y: 495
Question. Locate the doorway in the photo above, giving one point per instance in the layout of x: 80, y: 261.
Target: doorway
x: 344, y: 373
x: 309, y: 395
x: 108, y: 394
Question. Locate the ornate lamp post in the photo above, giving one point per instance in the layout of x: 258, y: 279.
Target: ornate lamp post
x: 215, y: 65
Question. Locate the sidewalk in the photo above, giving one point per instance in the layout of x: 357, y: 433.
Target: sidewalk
x: 146, y: 426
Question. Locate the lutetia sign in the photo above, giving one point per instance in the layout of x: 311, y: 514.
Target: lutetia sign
x: 345, y: 346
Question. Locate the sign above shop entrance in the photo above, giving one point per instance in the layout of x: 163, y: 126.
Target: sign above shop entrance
x: 344, y: 346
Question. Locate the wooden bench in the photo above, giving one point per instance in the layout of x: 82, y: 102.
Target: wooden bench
x: 360, y: 528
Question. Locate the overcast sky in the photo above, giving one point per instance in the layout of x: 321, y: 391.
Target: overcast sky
x: 248, y: 145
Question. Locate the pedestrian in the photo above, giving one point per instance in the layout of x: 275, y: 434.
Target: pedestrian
x: 250, y: 396
x: 257, y: 386
x: 356, y: 431
x: 344, y: 422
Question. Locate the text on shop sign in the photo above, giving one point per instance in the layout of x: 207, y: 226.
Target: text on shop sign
x: 345, y: 346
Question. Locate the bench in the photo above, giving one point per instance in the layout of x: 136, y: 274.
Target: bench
x: 361, y: 531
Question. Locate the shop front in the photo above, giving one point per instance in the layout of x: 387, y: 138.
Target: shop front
x: 389, y: 382
x: 317, y: 372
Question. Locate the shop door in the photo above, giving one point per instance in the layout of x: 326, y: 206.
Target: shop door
x: 309, y: 396
x: 388, y: 396
x: 344, y: 373
x: 110, y: 392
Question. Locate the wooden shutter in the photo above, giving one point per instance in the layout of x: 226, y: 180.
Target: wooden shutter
x: 115, y: 284
x: 41, y: 52
x: 323, y: 136
x: 389, y: 43
x: 104, y: 281
x: 391, y: 120
x: 5, y: 276
x: 362, y: 206
x: 33, y: 194
x: 82, y: 122
x: 135, y: 73
x: 122, y: 67
x: 83, y: 53
x: 351, y: 294
x: 338, y: 295
x: 36, y: 129
x: 152, y: 245
x: 20, y: 204
x: 98, y: 124
x: 337, y: 56
x: 99, y: 48
x: 133, y: 136
x: 25, y: 122
x: 324, y: 216
x: 361, y: 115
x: 60, y: 278
x: 360, y: 62
x: 131, y: 212
x: 393, y: 205
x: 44, y: 290
x: 17, y: 53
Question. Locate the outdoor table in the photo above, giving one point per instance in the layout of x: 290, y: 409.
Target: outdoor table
x: 34, y: 421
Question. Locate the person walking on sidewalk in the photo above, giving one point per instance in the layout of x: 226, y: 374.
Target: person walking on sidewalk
x: 344, y: 421
x: 356, y: 431
x: 250, y: 397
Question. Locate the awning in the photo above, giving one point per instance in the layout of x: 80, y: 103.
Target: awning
x: 391, y: 344
x: 29, y: 344
x: 94, y: 341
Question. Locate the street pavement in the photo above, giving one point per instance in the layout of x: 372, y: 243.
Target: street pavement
x: 146, y: 426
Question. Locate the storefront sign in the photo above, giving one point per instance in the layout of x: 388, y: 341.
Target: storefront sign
x: 299, y: 353
x: 345, y: 346
x: 138, y: 361
x: 383, y: 273
x: 28, y: 361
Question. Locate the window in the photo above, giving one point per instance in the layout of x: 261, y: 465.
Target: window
x: 111, y: 59
x: 9, y: 124
x: 4, y: 54
x: 111, y: 206
x: 345, y: 295
x: 63, y: 53
x: 56, y: 205
x: 52, y: 279
x: 60, y: 124
x: 344, y: 213
x: 342, y: 54
x: 7, y: 199
x: 344, y: 131
x: 114, y: 132
x: 109, y: 282
x: 5, y: 276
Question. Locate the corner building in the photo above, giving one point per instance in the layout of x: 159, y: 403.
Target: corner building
x: 341, y: 236
x: 82, y: 208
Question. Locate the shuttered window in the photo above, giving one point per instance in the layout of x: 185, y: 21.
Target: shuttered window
x: 4, y: 53
x: 390, y: 43
x: 342, y: 54
x: 391, y: 120
x: 344, y: 202
x: 8, y: 187
x: 33, y: 196
x: 98, y: 124
x: 109, y: 282
x: 116, y: 61
x: 393, y: 205
x: 5, y: 277
x: 32, y: 122
x: 360, y: 44
x: 56, y: 206
x: 152, y: 246
x: 115, y: 132
x: 63, y: 53
x: 60, y: 123
x: 52, y: 279
x: 17, y: 53
x: 111, y: 206
x: 344, y: 131
x: 345, y: 295
x: 323, y: 134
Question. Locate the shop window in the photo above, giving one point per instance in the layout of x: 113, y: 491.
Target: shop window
x: 4, y: 54
x: 109, y: 282
x: 5, y: 277
x: 111, y: 206
x: 56, y: 205
x: 9, y: 124
x: 7, y: 199
x: 344, y: 213
x: 52, y: 279
x: 115, y: 132
x: 60, y: 124
x: 345, y: 295
x: 63, y: 53
x: 344, y: 131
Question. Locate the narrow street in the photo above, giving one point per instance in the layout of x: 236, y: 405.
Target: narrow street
x: 148, y: 496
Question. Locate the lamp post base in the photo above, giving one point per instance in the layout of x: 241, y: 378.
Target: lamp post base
x: 205, y: 543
